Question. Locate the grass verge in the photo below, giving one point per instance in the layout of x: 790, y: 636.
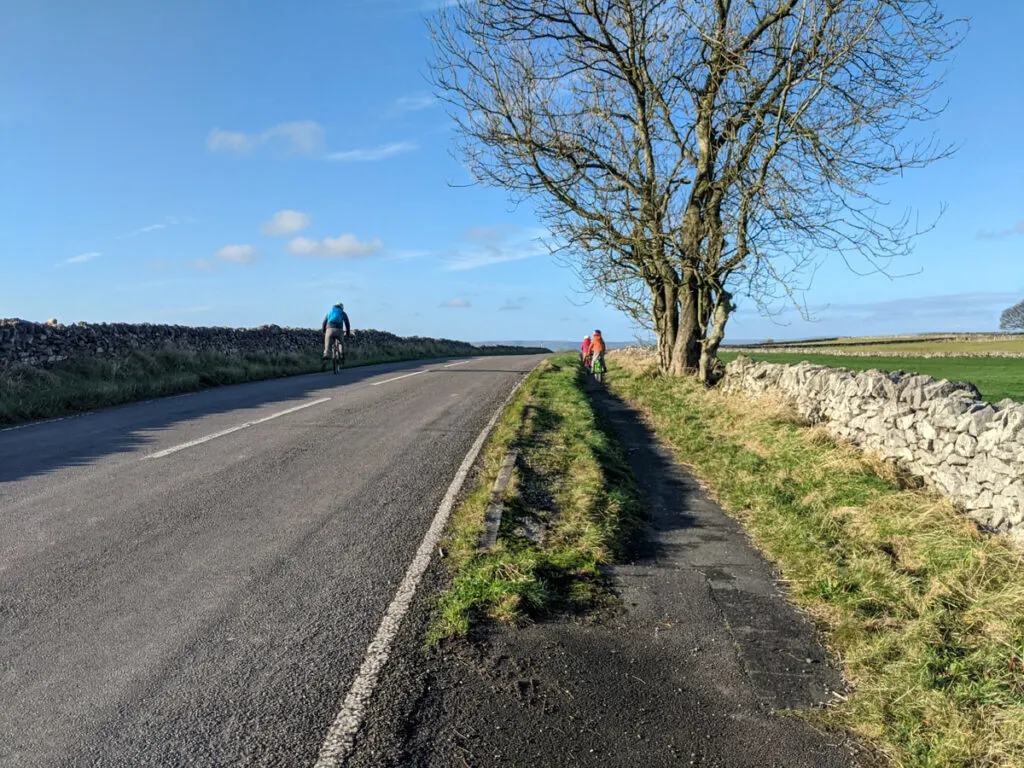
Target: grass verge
x: 74, y: 386
x: 925, y: 614
x: 570, y: 508
x: 995, y: 377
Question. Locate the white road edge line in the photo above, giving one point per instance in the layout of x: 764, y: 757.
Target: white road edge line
x: 197, y: 441
x: 404, y: 376
x: 340, y: 738
x: 461, y: 362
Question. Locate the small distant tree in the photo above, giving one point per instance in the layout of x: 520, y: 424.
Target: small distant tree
x: 1012, y: 318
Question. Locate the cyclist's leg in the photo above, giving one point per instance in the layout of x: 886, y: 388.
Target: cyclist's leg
x: 328, y: 335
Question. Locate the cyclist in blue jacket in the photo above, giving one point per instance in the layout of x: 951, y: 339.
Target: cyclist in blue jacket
x: 335, y: 322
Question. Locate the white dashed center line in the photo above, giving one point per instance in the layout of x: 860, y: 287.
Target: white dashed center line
x: 396, y: 378
x: 461, y: 362
x: 206, y: 438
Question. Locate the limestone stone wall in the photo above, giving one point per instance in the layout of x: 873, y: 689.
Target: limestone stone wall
x: 970, y: 450
x: 35, y: 344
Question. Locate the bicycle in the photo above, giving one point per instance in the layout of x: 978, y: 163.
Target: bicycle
x: 337, y: 354
x: 598, y: 368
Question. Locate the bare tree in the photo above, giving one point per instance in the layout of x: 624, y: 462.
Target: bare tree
x: 686, y: 151
x: 1012, y: 318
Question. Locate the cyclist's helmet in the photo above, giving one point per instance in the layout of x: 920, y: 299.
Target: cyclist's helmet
x: 340, y: 306
x: 597, y: 333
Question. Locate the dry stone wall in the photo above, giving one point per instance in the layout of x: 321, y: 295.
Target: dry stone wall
x: 970, y: 450
x: 35, y: 344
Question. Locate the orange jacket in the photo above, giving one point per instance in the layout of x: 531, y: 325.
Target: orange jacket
x: 597, y: 343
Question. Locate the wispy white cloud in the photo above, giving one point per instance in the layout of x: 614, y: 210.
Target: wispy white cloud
x: 455, y: 304
x: 412, y: 103
x: 486, y: 246
x: 238, y: 254
x: 484, y: 233
x: 285, y: 223
x: 512, y: 305
x: 169, y: 221
x: 145, y: 286
x: 375, y: 153
x: 202, y: 265
x: 342, y: 247
x: 1017, y: 229
x: 142, y: 231
x: 303, y: 136
x: 406, y: 254
x: 83, y: 257
x: 231, y: 141
x: 976, y: 311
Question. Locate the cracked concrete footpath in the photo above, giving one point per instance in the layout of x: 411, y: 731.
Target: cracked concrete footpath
x: 690, y: 669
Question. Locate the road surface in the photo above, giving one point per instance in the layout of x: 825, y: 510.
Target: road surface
x: 195, y: 580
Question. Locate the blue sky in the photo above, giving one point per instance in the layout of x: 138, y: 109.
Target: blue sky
x: 208, y: 162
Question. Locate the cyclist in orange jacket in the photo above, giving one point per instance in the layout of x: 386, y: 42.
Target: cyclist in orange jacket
x: 597, y: 347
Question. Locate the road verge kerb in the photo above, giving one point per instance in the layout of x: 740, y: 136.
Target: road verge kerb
x: 496, y: 507
x: 340, y: 738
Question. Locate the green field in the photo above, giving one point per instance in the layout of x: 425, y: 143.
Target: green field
x: 902, y: 346
x: 995, y: 377
x: 925, y: 346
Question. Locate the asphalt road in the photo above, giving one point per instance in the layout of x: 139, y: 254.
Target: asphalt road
x: 177, y: 588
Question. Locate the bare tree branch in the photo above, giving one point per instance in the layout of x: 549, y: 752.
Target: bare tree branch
x: 683, y: 152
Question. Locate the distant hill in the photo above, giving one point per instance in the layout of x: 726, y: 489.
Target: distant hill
x: 554, y: 346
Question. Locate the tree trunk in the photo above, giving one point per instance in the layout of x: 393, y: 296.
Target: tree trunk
x: 676, y: 326
x: 665, y: 304
x: 686, y: 350
x: 709, y: 347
